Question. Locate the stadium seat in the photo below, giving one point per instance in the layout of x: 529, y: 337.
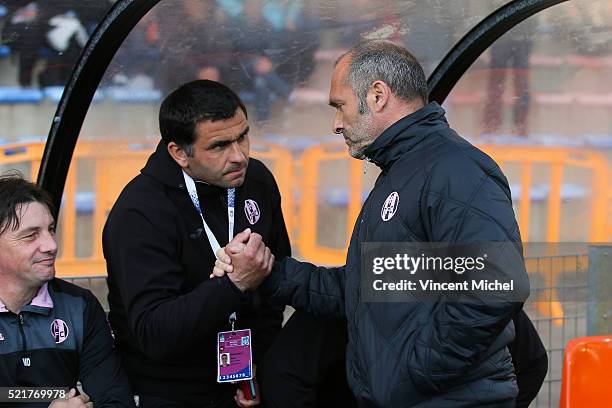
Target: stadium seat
x: 54, y: 94
x: 13, y: 95
x: 295, y: 143
x: 539, y: 192
x: 598, y: 141
x: 586, y: 373
x: 132, y: 95
x: 338, y: 197
x: 5, y: 51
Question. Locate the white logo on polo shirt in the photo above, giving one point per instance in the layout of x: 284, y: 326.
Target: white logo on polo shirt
x: 59, y: 331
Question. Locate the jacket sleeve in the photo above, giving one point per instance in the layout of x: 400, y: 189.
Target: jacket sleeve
x: 100, y: 369
x: 529, y: 359
x: 462, y: 206
x: 143, y: 257
x: 309, y: 288
x: 269, y: 313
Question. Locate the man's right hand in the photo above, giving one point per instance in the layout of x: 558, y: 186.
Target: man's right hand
x: 250, y: 262
x: 73, y: 401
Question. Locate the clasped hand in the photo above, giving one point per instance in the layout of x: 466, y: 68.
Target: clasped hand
x: 246, y: 260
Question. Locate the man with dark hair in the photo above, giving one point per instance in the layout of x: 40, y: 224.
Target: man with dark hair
x: 441, y: 189
x: 52, y: 333
x: 160, y: 239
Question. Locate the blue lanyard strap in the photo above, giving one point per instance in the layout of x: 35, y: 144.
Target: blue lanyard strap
x: 231, y: 198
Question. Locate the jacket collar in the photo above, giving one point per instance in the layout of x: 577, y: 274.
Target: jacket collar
x: 161, y: 167
x: 405, y: 134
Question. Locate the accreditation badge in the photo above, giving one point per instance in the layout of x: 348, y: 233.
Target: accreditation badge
x: 234, y: 356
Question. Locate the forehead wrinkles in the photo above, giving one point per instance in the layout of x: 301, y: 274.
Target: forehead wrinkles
x: 229, y: 127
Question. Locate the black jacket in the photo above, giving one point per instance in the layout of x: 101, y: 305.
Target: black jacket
x: 529, y: 359
x: 433, y: 354
x: 60, y: 338
x: 164, y: 309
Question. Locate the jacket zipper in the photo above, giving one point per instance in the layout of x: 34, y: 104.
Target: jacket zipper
x: 367, y: 210
x: 23, y: 336
x: 367, y: 206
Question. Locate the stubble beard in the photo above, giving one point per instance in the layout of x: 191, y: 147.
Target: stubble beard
x: 361, y: 136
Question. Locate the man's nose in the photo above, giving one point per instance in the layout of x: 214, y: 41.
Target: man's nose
x: 48, y: 244
x: 337, y: 126
x: 236, y: 154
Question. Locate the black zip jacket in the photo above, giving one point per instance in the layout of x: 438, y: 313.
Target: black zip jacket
x: 421, y: 354
x: 60, y: 338
x: 164, y: 308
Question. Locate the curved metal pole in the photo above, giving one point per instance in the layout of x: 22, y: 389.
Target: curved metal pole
x: 476, y: 41
x: 84, y: 80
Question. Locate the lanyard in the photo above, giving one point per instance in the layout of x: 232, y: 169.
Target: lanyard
x: 193, y: 194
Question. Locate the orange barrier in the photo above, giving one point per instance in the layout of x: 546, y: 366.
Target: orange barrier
x: 586, y: 373
x: 28, y: 154
x: 556, y: 159
x: 525, y: 157
x: 111, y: 165
x: 311, y: 160
x: 115, y: 163
x: 280, y: 162
x: 610, y: 216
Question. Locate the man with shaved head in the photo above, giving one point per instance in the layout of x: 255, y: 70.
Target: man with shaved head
x: 434, y: 187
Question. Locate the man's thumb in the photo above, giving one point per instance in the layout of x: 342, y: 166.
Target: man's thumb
x: 242, y: 237
x: 235, y: 248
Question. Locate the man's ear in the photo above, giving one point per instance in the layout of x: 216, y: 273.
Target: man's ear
x: 178, y: 154
x: 378, y: 96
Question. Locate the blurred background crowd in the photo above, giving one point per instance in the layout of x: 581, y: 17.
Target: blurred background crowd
x: 270, y: 50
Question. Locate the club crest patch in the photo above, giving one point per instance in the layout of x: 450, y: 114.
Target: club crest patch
x: 389, y: 208
x: 59, y: 331
x: 251, y: 210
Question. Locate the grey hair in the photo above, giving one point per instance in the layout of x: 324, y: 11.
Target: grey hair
x: 376, y: 60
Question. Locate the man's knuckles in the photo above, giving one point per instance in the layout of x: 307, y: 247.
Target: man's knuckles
x: 254, y: 240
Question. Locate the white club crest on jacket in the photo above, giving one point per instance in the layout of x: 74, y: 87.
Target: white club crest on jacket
x: 251, y: 210
x: 59, y: 331
x: 390, y: 206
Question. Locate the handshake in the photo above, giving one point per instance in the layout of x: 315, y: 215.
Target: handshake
x: 246, y: 260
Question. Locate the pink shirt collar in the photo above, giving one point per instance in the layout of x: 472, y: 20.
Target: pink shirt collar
x: 42, y: 299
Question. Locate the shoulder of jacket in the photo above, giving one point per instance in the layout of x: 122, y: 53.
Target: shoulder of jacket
x: 258, y: 174
x: 146, y: 195
x: 258, y: 170
x: 62, y: 289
